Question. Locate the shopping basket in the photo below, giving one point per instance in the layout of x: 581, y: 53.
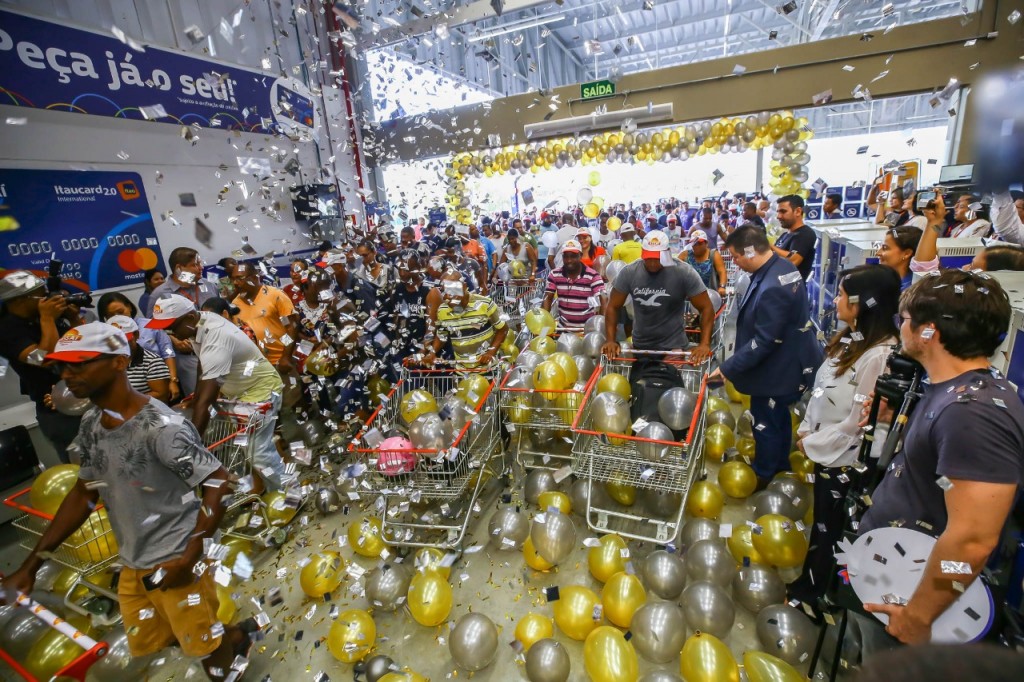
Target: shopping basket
x: 619, y: 460
x: 516, y: 296
x: 92, y: 650
x: 431, y: 504
x: 717, y: 333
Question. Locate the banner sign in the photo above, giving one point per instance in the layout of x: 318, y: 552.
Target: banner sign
x: 97, y: 222
x: 46, y: 65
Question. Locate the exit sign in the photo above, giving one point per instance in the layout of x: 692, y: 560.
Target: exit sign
x: 597, y: 89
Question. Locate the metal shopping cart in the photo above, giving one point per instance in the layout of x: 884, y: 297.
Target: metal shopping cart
x: 661, y: 472
x: 516, y: 296
x: 229, y: 436
x: 429, y: 495
x: 717, y: 334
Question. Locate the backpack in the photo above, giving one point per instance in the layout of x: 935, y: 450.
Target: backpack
x: 648, y: 381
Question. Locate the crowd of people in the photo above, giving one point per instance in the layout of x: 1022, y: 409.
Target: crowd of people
x: 352, y: 313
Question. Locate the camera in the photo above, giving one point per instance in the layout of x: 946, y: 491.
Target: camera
x: 901, y: 374
x: 82, y: 299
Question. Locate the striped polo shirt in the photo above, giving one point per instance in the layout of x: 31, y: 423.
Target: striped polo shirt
x: 575, y: 304
x: 471, y: 330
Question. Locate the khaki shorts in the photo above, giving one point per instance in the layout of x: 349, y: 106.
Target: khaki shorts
x: 156, y: 619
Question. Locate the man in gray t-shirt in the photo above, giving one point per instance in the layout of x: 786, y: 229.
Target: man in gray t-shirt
x: 660, y: 287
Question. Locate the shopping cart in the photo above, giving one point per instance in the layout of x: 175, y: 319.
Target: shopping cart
x: 516, y: 296
x: 539, y: 423
x: 692, y: 322
x: 229, y: 436
x: 662, y: 480
x: 429, y: 497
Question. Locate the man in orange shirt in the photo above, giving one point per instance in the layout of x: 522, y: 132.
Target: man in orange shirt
x: 269, y: 313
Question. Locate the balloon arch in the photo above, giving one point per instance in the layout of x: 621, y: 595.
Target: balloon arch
x: 786, y: 134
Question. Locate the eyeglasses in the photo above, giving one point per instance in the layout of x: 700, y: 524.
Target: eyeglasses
x: 76, y: 367
x: 898, y: 319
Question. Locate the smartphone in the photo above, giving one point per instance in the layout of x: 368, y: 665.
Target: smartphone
x: 148, y: 583
x: 926, y: 199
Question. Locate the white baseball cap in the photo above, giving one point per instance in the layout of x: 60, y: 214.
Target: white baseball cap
x: 655, y: 242
x: 167, y: 310
x: 572, y: 246
x: 89, y: 341
x: 124, y: 323
x: 698, y: 236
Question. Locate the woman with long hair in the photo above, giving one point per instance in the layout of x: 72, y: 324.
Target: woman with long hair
x: 591, y: 251
x: 897, y: 250
x: 154, y: 341
x: 830, y: 434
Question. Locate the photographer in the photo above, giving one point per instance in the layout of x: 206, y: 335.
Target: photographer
x: 991, y: 258
x: 32, y: 321
x: 961, y: 463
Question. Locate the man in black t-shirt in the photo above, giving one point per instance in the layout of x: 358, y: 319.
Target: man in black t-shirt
x: 797, y: 243
x: 961, y: 465
x: 32, y: 322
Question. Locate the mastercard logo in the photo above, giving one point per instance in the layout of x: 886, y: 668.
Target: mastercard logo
x: 137, y: 260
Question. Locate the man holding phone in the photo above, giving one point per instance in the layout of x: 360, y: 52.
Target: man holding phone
x: 165, y: 495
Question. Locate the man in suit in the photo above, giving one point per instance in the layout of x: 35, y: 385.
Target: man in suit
x: 776, y: 352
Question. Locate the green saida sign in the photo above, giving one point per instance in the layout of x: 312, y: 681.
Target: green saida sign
x: 597, y: 89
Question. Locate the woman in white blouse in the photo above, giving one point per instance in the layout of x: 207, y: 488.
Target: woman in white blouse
x: 829, y: 435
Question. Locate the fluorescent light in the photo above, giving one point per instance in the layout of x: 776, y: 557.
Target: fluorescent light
x: 511, y: 28
x: 657, y: 113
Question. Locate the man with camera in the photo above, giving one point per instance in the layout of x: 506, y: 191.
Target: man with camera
x: 961, y: 462
x: 32, y: 320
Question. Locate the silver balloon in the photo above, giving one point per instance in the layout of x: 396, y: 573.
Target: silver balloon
x: 547, y: 661
x: 473, y: 642
x: 772, y: 502
x: 655, y: 431
x: 708, y: 608
x: 664, y: 573
x: 675, y: 406
x: 65, y: 402
x: 745, y: 425
x: 721, y: 417
x: 710, y: 560
x: 377, y: 667
x: 610, y: 412
x: 659, y: 631
x: 22, y: 630
x: 850, y: 653
x: 387, y: 586
x: 519, y: 378
x: 660, y: 676
x: 118, y: 663
x: 595, y: 323
x: 660, y: 503
x: 529, y: 359
x: 554, y: 536
x: 538, y: 481
x: 696, y: 530
x: 786, y: 632
x: 579, y: 492
x: 46, y: 574
x: 508, y: 529
x: 593, y: 342
x: 570, y: 343
x: 756, y: 587
x: 585, y: 365
x: 313, y: 432
x: 327, y: 500
x: 457, y: 412
x: 799, y: 493
x: 430, y: 432
x: 716, y: 299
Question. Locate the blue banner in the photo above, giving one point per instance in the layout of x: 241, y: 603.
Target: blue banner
x: 46, y: 65
x: 97, y: 222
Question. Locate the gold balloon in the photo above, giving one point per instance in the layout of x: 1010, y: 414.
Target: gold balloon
x: 549, y: 377
x: 614, y: 223
x: 747, y: 447
x: 608, y: 657
x: 430, y: 559
x: 366, y: 536
x: 403, y: 676
x: 235, y: 545
x: 430, y: 598
x: 730, y: 390
x: 534, y: 560
x: 716, y: 404
x: 518, y: 411
x: 717, y: 439
x: 545, y: 345
x: 801, y: 464
x: 594, y: 179
x: 377, y: 388
x: 606, y: 559
x: 278, y: 511
x: 705, y: 658
x: 51, y: 487
x: 54, y: 649
x: 574, y: 611
x: 94, y: 541
x: 226, y: 606
x: 705, y: 500
x: 540, y: 322
x: 780, y: 542
x: 322, y: 574
x: 568, y: 404
x: 762, y: 667
x: 742, y: 548
x: 532, y: 628
x: 616, y: 383
x: 473, y: 389
x: 591, y: 210
x: 737, y: 479
x: 556, y: 499
x: 622, y: 595
x: 352, y: 635
x: 618, y: 490
x: 322, y: 361
x: 415, y: 403
x: 568, y: 365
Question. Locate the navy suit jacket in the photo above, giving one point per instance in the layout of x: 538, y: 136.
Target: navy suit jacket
x: 777, y: 351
